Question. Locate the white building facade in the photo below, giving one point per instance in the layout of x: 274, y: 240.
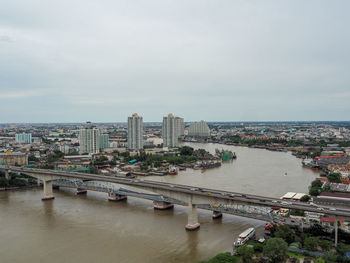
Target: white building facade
x: 89, y: 140
x: 199, y: 129
x: 170, y: 131
x: 135, y: 132
x: 24, y: 137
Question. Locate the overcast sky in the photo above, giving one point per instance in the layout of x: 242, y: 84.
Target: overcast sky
x: 226, y: 60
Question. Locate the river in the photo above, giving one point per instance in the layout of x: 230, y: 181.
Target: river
x: 88, y: 228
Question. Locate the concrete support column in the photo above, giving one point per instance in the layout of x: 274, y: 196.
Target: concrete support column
x: 116, y: 197
x: 192, y: 223
x: 336, y: 231
x: 48, y: 193
x: 81, y: 191
x: 7, y: 175
x: 216, y: 215
x: 161, y: 205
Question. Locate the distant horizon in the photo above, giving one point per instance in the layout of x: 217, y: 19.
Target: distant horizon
x: 125, y: 122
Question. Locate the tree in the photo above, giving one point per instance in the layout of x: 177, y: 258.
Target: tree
x: 316, y: 183
x: 319, y: 260
x: 93, y: 170
x: 276, y: 249
x: 285, y: 233
x: 186, y: 150
x: 330, y: 257
x: 334, y: 177
x: 315, y: 191
x: 3, y: 182
x: 342, y: 249
x: 325, y: 245
x: 222, y: 258
x: 246, y: 252
x: 305, y: 198
x: 311, y: 243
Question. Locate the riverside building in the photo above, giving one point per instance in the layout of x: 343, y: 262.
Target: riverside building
x: 172, y: 129
x: 199, y: 129
x: 135, y: 132
x: 89, y: 139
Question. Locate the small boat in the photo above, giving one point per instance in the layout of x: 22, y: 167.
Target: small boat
x: 245, y: 236
x: 173, y: 170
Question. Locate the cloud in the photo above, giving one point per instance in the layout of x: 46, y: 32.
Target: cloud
x: 226, y: 60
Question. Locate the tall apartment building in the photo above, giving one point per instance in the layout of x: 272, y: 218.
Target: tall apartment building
x: 180, y: 124
x: 104, y: 141
x: 170, y: 131
x: 135, y: 132
x: 24, y: 137
x: 200, y: 129
x: 89, y: 139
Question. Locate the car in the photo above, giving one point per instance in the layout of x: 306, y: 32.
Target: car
x: 332, y: 209
x: 193, y: 189
x: 201, y: 189
x: 285, y: 203
x: 244, y: 196
x: 171, y: 186
x: 320, y: 208
x: 274, y: 201
x: 262, y: 200
x: 232, y: 195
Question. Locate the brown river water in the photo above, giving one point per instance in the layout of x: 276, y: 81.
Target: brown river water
x: 88, y: 228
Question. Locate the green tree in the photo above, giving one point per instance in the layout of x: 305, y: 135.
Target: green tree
x: 3, y: 182
x: 319, y: 260
x: 285, y: 233
x: 222, y: 258
x: 246, y: 252
x: 316, y: 183
x: 325, y: 245
x: 305, y: 198
x: 311, y: 243
x: 330, y: 257
x: 186, y: 150
x: 342, y: 249
x: 315, y: 191
x: 334, y: 177
x: 93, y: 170
x: 276, y: 249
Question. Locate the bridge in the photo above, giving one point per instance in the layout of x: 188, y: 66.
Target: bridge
x: 162, y: 202
x: 191, y: 196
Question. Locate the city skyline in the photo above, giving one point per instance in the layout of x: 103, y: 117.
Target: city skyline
x: 227, y: 61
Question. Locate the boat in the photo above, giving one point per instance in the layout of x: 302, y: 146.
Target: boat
x: 245, y: 236
x: 173, y: 170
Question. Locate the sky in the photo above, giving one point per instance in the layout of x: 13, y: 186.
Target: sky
x: 227, y: 60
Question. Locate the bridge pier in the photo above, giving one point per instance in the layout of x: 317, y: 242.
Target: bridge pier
x: 216, y: 215
x: 7, y: 175
x: 116, y: 197
x: 48, y: 192
x: 161, y: 205
x: 336, y: 232
x: 81, y: 191
x: 192, y: 223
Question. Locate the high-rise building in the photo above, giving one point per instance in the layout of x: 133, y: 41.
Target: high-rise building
x: 24, y: 137
x: 104, y: 141
x: 135, y: 132
x: 200, y: 129
x: 89, y: 139
x: 180, y: 124
x: 170, y: 131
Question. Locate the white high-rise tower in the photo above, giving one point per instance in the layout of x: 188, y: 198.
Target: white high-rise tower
x: 171, y: 130
x: 89, y: 139
x: 135, y: 132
